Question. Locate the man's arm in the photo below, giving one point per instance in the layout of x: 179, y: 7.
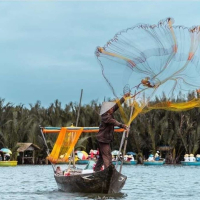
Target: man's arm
x: 121, y: 101
x: 109, y: 120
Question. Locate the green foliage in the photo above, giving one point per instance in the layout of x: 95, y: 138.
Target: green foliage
x: 179, y: 130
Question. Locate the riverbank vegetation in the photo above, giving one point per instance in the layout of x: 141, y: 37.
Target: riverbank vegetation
x: 180, y: 131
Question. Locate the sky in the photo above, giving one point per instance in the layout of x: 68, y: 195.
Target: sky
x: 47, y: 47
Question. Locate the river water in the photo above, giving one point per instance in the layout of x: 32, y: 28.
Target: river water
x: 170, y: 182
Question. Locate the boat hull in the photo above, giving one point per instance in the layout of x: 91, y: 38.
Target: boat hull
x: 8, y: 163
x: 108, y: 181
x: 130, y: 162
x: 154, y: 162
x: 190, y: 163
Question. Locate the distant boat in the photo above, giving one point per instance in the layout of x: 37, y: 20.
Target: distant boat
x: 8, y: 163
x: 160, y: 162
x: 190, y: 160
x: 189, y: 163
x: 132, y: 162
x: 114, y: 162
x: 82, y: 162
x: 130, y: 158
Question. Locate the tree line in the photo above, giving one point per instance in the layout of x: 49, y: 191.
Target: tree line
x: 180, y: 131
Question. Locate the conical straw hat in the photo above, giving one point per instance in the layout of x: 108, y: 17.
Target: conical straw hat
x: 106, y: 106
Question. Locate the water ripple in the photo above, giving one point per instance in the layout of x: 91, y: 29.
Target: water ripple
x: 172, y: 182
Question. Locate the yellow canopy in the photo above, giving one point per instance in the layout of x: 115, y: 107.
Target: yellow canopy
x: 67, y: 139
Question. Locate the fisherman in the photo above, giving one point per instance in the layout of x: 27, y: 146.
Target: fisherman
x: 59, y: 171
x: 105, y: 134
x: 157, y: 156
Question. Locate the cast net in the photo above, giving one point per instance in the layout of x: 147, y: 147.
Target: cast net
x: 154, y: 60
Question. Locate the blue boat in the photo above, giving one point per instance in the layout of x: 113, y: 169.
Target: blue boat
x: 82, y: 162
x: 116, y: 162
x: 189, y: 163
x: 160, y: 162
x: 132, y: 162
x: 190, y: 160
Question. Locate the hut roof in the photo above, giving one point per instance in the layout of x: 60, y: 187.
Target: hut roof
x: 24, y: 146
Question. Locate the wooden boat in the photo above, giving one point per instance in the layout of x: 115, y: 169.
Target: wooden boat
x: 132, y: 162
x: 160, y: 162
x: 189, y: 163
x: 108, y: 181
x: 8, y: 163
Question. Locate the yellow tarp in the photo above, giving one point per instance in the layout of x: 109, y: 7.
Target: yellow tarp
x: 64, y: 145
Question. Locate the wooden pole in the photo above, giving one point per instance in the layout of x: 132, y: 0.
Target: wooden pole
x: 120, y: 148
x: 126, y: 138
x: 73, y: 153
x: 47, y: 150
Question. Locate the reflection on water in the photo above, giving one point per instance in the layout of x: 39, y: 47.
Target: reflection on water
x: 143, y: 183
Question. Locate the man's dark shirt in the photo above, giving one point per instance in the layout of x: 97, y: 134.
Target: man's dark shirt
x: 106, y: 127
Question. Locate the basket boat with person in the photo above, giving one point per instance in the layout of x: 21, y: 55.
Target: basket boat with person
x: 191, y: 160
x: 154, y: 159
x: 5, y: 161
x: 130, y: 158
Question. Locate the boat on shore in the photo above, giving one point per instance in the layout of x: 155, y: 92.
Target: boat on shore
x: 8, y: 163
